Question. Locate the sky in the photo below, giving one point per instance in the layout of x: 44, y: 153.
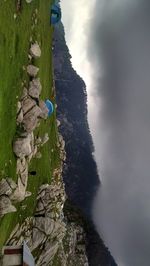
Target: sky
x: 110, y: 46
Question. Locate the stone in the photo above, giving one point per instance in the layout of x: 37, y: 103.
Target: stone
x: 35, y: 50
x: 28, y: 194
x: 27, y: 104
x: 21, y: 165
x: 58, y: 123
x: 6, y: 205
x: 44, y: 109
x: 30, y: 123
x: 35, y: 88
x: 11, y: 183
x: 22, y: 147
x: 24, y: 176
x: 30, y: 120
x: 20, y: 117
x: 38, y: 237
x: 18, y: 106
x: 5, y: 188
x: 38, y: 141
x: 19, y: 193
x: 38, y: 155
x: 32, y: 70
x: 24, y: 93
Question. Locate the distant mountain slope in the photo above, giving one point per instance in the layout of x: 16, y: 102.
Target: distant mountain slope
x: 80, y: 171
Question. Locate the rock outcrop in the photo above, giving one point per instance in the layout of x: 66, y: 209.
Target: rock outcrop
x: 55, y: 240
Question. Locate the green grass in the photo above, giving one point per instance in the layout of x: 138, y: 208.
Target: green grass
x: 14, y: 47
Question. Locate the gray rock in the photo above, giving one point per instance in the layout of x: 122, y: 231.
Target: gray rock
x: 5, y: 188
x: 18, y: 106
x: 20, y: 117
x: 35, y: 50
x: 6, y: 205
x: 22, y: 146
x: 35, y: 88
x: 44, y: 109
x: 11, y: 183
x: 24, y: 94
x: 27, y: 104
x: 38, y: 155
x: 58, y: 123
x: 38, y: 141
x: 21, y: 165
x: 20, y: 192
x: 30, y: 120
x: 32, y: 70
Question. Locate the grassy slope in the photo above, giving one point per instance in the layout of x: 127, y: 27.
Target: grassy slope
x: 14, y: 47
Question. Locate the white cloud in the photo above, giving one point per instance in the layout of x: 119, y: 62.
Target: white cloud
x: 76, y: 16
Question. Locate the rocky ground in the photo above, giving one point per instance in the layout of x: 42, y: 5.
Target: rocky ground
x: 52, y: 239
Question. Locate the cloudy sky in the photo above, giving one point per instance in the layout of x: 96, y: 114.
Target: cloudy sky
x: 110, y: 47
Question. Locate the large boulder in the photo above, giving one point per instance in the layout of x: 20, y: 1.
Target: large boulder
x: 30, y: 120
x: 44, y: 109
x: 27, y: 104
x: 32, y: 70
x: 5, y: 188
x: 6, y: 205
x: 35, y: 50
x: 22, y: 146
x: 35, y: 88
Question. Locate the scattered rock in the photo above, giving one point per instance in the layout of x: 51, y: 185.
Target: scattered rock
x: 58, y: 123
x: 24, y: 94
x: 27, y: 104
x: 5, y: 188
x: 44, y: 109
x: 11, y: 183
x: 30, y: 120
x: 18, y: 106
x: 35, y: 50
x: 38, y: 155
x: 20, y: 117
x: 28, y: 194
x: 30, y: 123
x: 35, y: 88
x: 6, y: 205
x: 32, y: 70
x: 20, y: 192
x: 38, y: 141
x: 22, y: 146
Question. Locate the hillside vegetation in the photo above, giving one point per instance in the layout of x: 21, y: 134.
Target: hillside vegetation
x: 17, y: 29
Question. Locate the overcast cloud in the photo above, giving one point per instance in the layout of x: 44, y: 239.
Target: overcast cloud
x: 118, y: 46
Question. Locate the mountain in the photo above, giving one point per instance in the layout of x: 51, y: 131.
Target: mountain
x: 80, y: 171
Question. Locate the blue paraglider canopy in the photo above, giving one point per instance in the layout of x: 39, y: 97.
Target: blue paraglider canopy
x: 49, y: 106
x: 55, y: 14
